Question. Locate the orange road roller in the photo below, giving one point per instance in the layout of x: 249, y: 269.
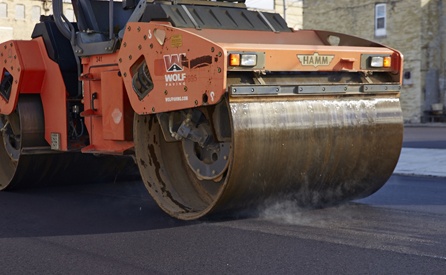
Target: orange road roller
x: 219, y: 107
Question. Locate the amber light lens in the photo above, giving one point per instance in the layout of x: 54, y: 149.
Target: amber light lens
x: 234, y: 59
x: 387, y: 62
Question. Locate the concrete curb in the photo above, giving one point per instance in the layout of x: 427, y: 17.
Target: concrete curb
x: 422, y: 162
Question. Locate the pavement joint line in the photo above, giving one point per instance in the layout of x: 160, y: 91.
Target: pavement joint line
x: 422, y: 162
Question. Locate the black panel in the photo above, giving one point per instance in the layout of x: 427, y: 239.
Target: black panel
x: 100, y: 9
x: 60, y: 51
x: 6, y: 85
x: 210, y: 17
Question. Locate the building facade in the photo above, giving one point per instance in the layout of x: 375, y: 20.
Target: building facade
x: 414, y: 27
x: 291, y: 10
x: 17, y: 18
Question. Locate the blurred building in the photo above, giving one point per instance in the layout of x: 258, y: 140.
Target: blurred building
x: 415, y: 27
x: 17, y: 18
x: 291, y: 10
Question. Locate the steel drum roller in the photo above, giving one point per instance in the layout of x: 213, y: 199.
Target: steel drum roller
x: 319, y: 152
x: 27, y: 161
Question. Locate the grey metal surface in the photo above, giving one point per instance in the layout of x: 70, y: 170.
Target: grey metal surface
x: 209, y: 164
x: 255, y: 90
x: 214, y: 15
x: 381, y: 88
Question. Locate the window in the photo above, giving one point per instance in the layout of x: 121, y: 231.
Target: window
x: 407, y: 77
x: 3, y: 10
x: 380, y: 20
x: 19, y: 11
x: 35, y: 13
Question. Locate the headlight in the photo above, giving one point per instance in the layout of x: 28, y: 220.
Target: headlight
x: 242, y: 59
x: 248, y: 60
x: 380, y: 62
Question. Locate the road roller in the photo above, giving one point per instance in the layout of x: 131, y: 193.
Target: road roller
x: 219, y: 107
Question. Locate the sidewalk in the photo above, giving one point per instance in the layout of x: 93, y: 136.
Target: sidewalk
x: 422, y: 162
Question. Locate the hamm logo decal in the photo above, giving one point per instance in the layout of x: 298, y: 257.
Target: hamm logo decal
x: 315, y: 59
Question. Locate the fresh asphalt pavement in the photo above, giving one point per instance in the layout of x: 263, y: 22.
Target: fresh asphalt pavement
x: 116, y: 228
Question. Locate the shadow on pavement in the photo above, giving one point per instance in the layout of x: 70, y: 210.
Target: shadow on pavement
x: 81, y: 209
x: 127, y: 207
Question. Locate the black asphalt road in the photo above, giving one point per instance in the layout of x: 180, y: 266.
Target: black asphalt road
x: 117, y: 229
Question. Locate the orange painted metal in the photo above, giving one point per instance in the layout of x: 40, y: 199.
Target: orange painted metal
x: 108, y: 115
x: 117, y: 115
x: 34, y: 72
x: 187, y: 70
x: 171, y: 55
x: 108, y: 118
x: 281, y: 49
x: 19, y: 59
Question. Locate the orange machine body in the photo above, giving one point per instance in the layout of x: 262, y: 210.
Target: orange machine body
x: 107, y: 112
x: 34, y: 72
x: 188, y: 68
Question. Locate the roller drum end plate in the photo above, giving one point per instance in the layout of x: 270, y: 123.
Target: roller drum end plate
x: 207, y: 164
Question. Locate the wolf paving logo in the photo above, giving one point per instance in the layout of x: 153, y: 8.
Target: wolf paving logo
x: 173, y: 62
x: 315, y: 59
x: 174, y: 67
